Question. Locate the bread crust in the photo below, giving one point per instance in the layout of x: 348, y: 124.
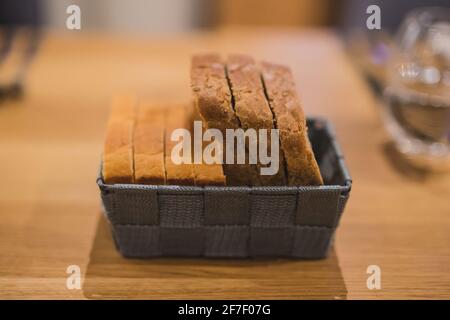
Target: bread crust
x: 149, y: 145
x: 283, y: 99
x: 118, y: 164
x: 176, y: 174
x: 252, y: 110
x: 204, y: 174
x: 213, y: 101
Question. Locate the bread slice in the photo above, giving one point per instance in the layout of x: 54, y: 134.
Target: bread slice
x: 212, y: 96
x: 289, y: 117
x: 209, y: 175
x: 253, y: 111
x: 177, y: 174
x: 213, y: 101
x: 149, y: 145
x: 118, y: 166
x: 204, y: 174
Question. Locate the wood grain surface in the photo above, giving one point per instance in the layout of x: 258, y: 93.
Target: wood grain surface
x: 50, y: 143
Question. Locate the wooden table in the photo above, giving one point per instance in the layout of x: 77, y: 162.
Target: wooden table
x: 397, y: 218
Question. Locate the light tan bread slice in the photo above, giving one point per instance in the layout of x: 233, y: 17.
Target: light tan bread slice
x: 118, y: 164
x: 177, y: 174
x: 149, y: 145
x: 284, y: 101
x: 253, y: 111
x: 213, y: 101
x: 209, y: 175
x: 204, y: 174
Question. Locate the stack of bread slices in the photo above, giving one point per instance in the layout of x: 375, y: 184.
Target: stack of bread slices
x: 231, y: 93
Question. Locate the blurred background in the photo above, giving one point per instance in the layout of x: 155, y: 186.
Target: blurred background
x: 169, y: 16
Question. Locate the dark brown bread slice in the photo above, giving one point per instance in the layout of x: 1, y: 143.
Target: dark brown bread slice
x: 283, y: 99
x: 149, y: 145
x: 213, y: 101
x: 118, y: 148
x: 252, y: 110
x: 212, y: 96
x: 176, y: 174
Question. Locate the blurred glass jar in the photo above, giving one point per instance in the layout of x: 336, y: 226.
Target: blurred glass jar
x: 417, y: 111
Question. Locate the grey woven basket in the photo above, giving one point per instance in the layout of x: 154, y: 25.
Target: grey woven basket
x: 297, y: 222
